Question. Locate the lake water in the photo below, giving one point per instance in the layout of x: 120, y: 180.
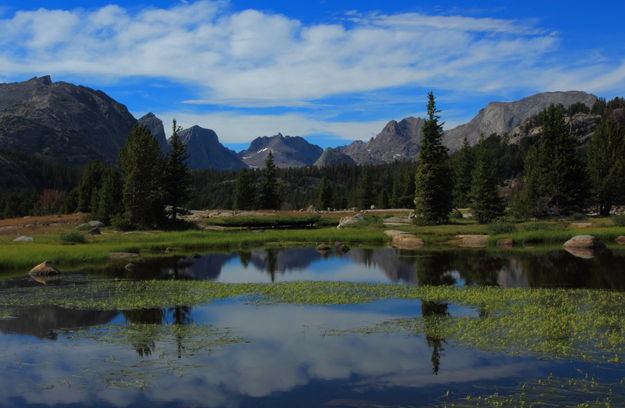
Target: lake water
x: 233, y: 353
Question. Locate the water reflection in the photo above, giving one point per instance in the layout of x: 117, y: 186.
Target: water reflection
x: 450, y: 267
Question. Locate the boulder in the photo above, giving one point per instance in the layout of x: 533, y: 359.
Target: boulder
x: 341, y: 248
x: 351, y: 220
x: 584, y: 241
x: 130, y: 267
x: 404, y: 240
x: 505, y: 243
x: 323, y: 248
x: 582, y: 253
x: 44, y: 269
x: 122, y: 255
x: 96, y: 224
x: 473, y: 240
x: 94, y: 231
x: 620, y: 240
x: 23, y: 238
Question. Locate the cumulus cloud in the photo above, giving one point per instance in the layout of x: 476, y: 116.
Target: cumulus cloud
x: 254, y: 58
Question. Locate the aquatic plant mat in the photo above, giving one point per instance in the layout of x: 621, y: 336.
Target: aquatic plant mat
x: 585, y: 392
x: 586, y: 325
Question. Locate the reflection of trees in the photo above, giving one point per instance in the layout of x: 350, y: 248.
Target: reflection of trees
x: 435, y: 268
x: 182, y: 316
x: 143, y: 340
x: 271, y: 263
x: 245, y: 258
x: 479, y: 267
x: 433, y: 313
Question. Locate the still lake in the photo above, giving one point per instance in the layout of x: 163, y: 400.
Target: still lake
x: 236, y: 353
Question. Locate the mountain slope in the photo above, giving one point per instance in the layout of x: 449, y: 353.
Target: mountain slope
x: 155, y: 125
x: 332, y: 157
x: 206, y: 152
x: 397, y: 141
x: 288, y: 151
x: 72, y: 124
x: 502, y: 117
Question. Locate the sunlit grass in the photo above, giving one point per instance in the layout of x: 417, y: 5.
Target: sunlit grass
x: 48, y: 247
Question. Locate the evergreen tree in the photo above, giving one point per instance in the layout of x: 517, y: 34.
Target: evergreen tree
x: 367, y: 189
x: 178, y: 180
x: 142, y: 168
x: 554, y: 176
x: 463, y: 170
x: 383, y: 199
x: 89, y: 184
x: 606, y: 165
x: 110, y: 197
x: 324, y: 194
x: 244, y: 191
x: 433, y: 181
x: 484, y: 199
x: 269, y: 197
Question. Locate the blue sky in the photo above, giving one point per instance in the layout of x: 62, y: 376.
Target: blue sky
x: 332, y: 71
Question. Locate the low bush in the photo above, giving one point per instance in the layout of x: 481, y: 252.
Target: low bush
x: 501, y: 227
x: 72, y: 238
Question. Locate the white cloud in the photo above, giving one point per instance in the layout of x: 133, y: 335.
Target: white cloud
x: 253, y: 58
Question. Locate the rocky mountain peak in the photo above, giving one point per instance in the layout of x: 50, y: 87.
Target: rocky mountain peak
x: 155, y: 126
x: 288, y: 151
x: 206, y: 152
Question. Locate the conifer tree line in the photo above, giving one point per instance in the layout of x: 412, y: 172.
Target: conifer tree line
x: 558, y: 178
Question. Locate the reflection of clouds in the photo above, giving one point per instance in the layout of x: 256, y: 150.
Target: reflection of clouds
x: 288, y: 350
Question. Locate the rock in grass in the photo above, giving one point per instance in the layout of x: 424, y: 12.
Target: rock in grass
x: 23, y: 238
x: 505, y: 243
x: 96, y: 224
x: 351, y: 220
x: 584, y: 241
x: 94, y: 231
x: 620, y: 240
x: 404, y: 240
x: 122, y: 255
x: 44, y: 269
x: 473, y: 240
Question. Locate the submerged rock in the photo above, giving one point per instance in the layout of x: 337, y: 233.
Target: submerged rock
x: 323, y: 248
x: 44, y: 269
x: 584, y: 241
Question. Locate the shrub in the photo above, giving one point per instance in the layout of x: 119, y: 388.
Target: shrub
x: 535, y: 226
x: 619, y: 220
x: 73, y: 238
x: 121, y: 223
x: 501, y: 227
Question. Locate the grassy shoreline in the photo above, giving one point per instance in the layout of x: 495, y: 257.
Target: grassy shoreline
x: 15, y: 255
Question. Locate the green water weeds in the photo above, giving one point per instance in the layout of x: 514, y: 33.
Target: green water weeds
x: 586, y: 325
x: 585, y: 392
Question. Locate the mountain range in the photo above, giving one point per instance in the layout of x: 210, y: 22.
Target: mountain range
x: 73, y: 125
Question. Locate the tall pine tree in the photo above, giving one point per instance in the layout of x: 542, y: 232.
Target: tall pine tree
x: 177, y: 178
x: 142, y: 169
x: 269, y: 196
x: 483, y: 196
x: 324, y: 194
x: 556, y: 182
x: 606, y: 165
x: 243, y: 196
x: 434, y: 178
x: 463, y: 170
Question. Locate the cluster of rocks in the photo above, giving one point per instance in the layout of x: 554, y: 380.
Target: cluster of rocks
x: 340, y: 248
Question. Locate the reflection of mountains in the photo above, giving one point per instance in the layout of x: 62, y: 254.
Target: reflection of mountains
x: 47, y: 321
x: 398, y: 265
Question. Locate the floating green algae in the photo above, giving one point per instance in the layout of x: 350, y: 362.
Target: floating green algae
x: 557, y: 323
x: 552, y: 391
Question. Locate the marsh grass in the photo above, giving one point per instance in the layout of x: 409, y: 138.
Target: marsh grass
x: 284, y: 221
x: 559, y: 236
x: 15, y: 255
x: 585, y: 392
x: 586, y: 325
